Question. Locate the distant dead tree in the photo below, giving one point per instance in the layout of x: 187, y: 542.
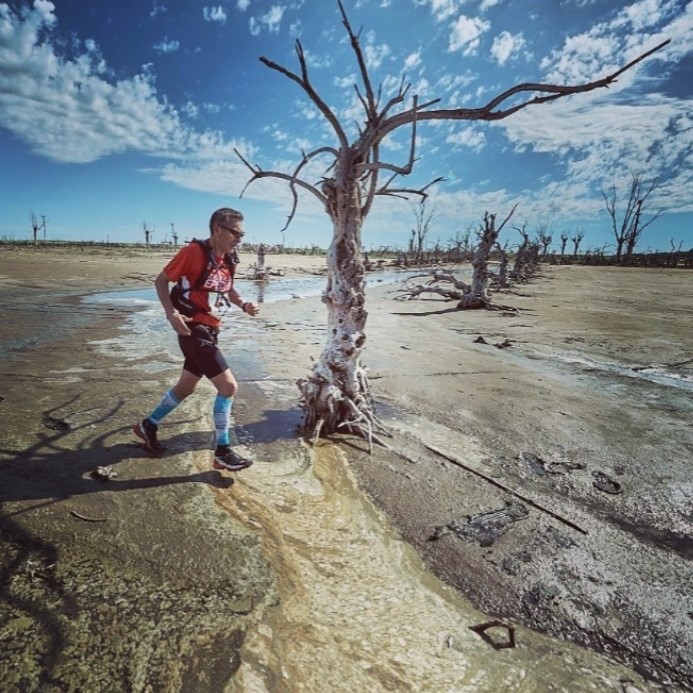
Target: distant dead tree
x: 501, y: 280
x: 627, y: 233
x: 526, y: 258
x: 460, y: 247
x: 35, y: 226
x: 336, y: 395
x: 424, y: 218
x: 478, y: 296
x: 576, y: 238
x: 544, y: 238
x: 148, y: 233
x: 469, y: 296
x: 564, y: 242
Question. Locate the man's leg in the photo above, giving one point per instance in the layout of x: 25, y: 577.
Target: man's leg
x: 147, y: 428
x: 224, y: 457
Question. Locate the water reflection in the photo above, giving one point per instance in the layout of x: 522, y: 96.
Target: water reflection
x: 275, y: 289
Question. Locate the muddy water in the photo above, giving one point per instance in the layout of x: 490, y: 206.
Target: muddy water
x: 357, y: 608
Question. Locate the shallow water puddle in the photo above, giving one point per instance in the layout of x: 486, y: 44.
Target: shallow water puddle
x: 358, y: 610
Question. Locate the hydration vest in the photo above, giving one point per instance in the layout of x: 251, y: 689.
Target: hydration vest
x: 209, y: 280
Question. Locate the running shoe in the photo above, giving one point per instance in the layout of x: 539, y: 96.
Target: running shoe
x: 146, y: 430
x: 226, y: 458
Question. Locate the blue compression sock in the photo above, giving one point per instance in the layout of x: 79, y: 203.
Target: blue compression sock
x: 168, y: 403
x: 222, y: 419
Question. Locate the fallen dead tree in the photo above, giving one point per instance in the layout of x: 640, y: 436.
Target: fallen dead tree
x: 468, y: 296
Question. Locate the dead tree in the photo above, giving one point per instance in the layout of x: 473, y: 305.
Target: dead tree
x: 544, y: 239
x: 336, y: 396
x: 501, y: 281
x: 628, y: 231
x: 577, y: 239
x: 424, y: 218
x: 469, y: 296
x: 35, y: 226
x: 478, y: 296
x: 564, y: 241
x: 148, y: 233
x: 460, y: 247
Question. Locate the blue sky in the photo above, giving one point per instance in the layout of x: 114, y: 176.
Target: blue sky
x: 117, y: 114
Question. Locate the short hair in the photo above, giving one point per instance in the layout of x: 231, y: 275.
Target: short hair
x: 224, y: 214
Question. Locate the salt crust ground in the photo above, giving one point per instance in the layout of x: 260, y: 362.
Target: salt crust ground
x: 624, y: 586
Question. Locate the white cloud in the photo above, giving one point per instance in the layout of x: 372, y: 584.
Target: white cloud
x: 413, y: 60
x: 243, y: 5
x: 69, y: 111
x: 440, y: 9
x: 506, y: 46
x: 214, y: 14
x: 608, y: 45
x: 157, y: 9
x: 166, y: 45
x: 468, y: 137
x: 270, y: 21
x: 465, y: 34
x: 374, y: 54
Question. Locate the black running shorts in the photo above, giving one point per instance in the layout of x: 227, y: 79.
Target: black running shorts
x: 201, y: 351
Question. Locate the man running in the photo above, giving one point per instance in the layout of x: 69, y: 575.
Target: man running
x: 203, y: 272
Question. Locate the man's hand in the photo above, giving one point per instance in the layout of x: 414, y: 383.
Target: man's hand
x: 179, y: 323
x: 250, y: 308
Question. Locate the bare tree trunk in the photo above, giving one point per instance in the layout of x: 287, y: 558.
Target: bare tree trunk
x: 336, y: 394
x: 478, y: 295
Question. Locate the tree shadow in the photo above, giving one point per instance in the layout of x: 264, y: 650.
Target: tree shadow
x: 276, y: 425
x: 58, y: 465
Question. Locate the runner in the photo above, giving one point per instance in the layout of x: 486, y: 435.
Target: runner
x: 203, y: 273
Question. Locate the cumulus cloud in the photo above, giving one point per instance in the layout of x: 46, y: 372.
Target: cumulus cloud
x: 373, y: 53
x: 166, y: 45
x: 608, y: 45
x: 466, y: 34
x: 68, y: 110
x: 440, y: 9
x: 157, y: 8
x: 413, y: 60
x: 270, y: 21
x: 214, y: 14
x: 507, y: 46
x: 468, y: 137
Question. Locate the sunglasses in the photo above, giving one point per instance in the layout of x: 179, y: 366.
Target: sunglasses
x: 235, y: 232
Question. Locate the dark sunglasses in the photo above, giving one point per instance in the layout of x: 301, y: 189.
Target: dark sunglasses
x: 235, y: 232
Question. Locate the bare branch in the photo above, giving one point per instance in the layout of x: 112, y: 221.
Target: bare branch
x: 403, y: 192
x: 507, y: 219
x: 292, y: 179
x: 305, y: 84
x: 487, y: 112
x: 402, y: 170
x: 356, y: 47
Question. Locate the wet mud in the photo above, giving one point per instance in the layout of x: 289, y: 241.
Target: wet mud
x: 314, y: 569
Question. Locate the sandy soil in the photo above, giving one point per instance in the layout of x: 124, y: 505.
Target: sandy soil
x: 528, y: 429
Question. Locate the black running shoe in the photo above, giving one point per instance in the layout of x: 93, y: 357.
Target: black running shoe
x: 146, y: 430
x: 226, y: 458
